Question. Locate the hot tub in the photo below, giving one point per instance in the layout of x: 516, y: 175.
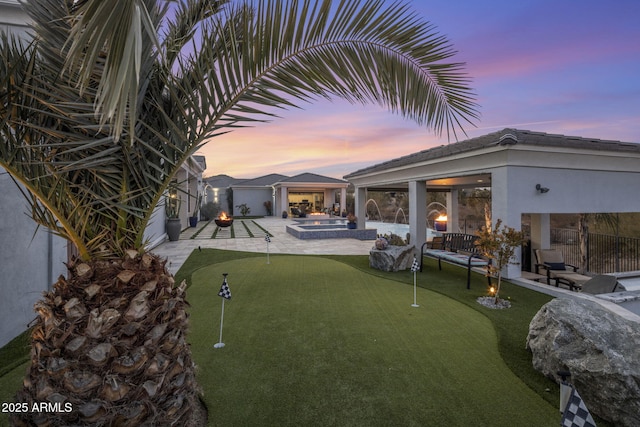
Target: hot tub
x: 328, y: 229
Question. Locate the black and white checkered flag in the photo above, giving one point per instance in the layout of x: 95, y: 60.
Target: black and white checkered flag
x: 267, y: 238
x: 576, y: 413
x: 415, y: 266
x: 224, y: 290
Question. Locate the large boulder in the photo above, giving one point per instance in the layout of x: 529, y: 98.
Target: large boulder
x: 600, y: 349
x: 394, y: 258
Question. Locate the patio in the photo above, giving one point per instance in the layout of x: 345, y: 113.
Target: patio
x: 281, y: 243
x: 529, y: 173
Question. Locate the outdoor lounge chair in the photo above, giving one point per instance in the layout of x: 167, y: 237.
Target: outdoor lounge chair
x: 601, y: 284
x: 551, y: 263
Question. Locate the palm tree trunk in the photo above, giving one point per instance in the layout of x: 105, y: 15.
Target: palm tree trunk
x: 109, y: 344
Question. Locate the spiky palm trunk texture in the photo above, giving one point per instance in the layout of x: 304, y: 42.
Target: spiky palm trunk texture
x: 109, y: 343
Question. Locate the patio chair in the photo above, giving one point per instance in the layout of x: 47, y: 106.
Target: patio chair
x: 551, y: 263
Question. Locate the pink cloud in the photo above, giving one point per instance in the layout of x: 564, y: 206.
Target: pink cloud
x: 305, y: 143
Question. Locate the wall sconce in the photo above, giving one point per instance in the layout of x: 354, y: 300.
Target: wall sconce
x: 540, y: 189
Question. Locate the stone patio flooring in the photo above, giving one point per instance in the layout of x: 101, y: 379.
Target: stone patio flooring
x: 248, y: 235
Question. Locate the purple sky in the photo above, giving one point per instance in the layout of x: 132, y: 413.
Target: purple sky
x: 560, y: 66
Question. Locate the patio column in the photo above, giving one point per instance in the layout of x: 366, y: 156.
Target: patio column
x: 274, y: 202
x: 343, y: 200
x: 360, y: 206
x: 284, y: 199
x: 418, y: 212
x: 453, y: 223
x: 501, y: 187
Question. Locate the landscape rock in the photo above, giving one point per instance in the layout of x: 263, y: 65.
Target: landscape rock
x: 394, y: 258
x: 598, y: 348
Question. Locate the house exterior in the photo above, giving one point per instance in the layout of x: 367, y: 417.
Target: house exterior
x: 190, y: 190
x: 306, y: 192
x: 530, y: 173
x: 310, y: 193
x: 257, y: 194
x: 215, y: 190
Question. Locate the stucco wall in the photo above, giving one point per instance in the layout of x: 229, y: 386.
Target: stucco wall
x: 253, y: 197
x: 570, y: 191
x: 13, y: 19
x: 155, y: 233
x: 29, y: 264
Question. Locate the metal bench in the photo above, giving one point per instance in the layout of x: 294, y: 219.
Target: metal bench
x: 458, y: 249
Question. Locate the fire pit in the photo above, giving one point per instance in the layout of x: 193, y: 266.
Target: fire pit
x: 223, y: 220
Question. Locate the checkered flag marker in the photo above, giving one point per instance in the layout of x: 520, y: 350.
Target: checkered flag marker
x: 267, y: 239
x: 224, y: 289
x: 414, y: 268
x: 576, y: 413
x: 225, y: 293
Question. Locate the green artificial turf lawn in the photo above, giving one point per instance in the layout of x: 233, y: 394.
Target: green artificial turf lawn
x: 510, y: 325
x: 313, y: 341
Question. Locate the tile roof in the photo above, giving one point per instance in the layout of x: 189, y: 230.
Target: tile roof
x: 261, y: 181
x: 221, y: 181
x: 313, y: 178
x: 504, y: 137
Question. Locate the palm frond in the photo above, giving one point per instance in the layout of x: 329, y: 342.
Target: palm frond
x: 96, y: 178
x: 283, y: 52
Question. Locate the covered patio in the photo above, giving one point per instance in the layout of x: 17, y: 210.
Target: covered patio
x: 528, y: 172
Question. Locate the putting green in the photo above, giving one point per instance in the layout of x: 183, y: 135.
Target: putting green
x: 311, y: 341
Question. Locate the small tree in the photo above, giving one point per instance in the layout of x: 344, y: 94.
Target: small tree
x: 499, y: 245
x: 244, y: 209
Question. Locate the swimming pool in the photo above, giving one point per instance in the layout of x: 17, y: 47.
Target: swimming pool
x: 629, y: 300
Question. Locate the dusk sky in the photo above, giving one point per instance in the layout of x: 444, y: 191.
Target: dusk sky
x: 569, y: 67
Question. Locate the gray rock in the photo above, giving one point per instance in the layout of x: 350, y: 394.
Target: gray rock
x: 394, y: 258
x: 598, y: 347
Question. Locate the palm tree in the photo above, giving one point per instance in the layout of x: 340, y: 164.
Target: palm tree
x: 98, y: 113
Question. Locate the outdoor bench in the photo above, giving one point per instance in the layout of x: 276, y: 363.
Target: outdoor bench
x: 455, y: 248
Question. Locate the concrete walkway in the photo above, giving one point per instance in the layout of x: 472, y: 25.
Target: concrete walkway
x: 249, y: 237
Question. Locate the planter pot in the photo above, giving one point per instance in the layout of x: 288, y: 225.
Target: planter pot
x: 441, y: 225
x: 352, y: 225
x: 173, y: 228
x: 193, y: 221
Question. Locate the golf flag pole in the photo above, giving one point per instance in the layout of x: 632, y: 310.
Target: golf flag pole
x: 225, y: 293
x: 267, y: 239
x: 414, y: 268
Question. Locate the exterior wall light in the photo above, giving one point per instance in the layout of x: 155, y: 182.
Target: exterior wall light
x: 540, y: 189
